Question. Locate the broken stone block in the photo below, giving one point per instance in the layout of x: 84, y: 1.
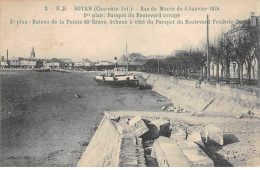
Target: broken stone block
x: 178, y: 134
x: 253, y: 162
x: 168, y: 154
x: 140, y: 128
x: 162, y: 126
x: 153, y: 132
x: 196, y: 137
x: 186, y: 145
x: 134, y: 120
x: 214, y: 133
x: 198, y: 158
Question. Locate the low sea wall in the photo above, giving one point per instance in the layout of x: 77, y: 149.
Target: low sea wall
x: 104, y: 148
x: 196, y: 96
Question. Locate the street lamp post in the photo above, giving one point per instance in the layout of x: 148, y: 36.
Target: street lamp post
x: 158, y: 65
x: 258, y: 52
x: 208, y: 66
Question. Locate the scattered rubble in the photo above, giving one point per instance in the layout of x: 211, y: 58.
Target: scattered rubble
x: 198, y: 114
x: 163, y: 141
x: 171, y: 108
x: 245, y: 114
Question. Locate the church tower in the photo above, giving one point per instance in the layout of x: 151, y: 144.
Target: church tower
x: 32, y: 53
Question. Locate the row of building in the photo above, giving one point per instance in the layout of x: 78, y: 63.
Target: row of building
x: 33, y: 62
x: 30, y: 63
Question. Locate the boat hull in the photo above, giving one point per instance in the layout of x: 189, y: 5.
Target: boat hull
x: 61, y: 70
x: 43, y: 70
x: 124, y: 83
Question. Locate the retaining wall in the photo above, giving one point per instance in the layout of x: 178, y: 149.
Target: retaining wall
x: 104, y: 147
x: 194, y: 96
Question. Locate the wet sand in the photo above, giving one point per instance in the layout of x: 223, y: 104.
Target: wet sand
x: 44, y: 124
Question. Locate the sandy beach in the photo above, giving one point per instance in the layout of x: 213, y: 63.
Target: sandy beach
x: 44, y: 124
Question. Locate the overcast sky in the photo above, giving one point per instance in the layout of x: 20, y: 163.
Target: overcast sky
x: 103, y: 42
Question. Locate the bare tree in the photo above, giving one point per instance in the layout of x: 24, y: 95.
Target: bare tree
x: 214, y: 53
x: 253, y: 40
x: 243, y: 46
x: 225, y: 47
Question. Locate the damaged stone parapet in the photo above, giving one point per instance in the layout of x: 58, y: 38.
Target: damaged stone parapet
x: 104, y: 147
x: 168, y: 154
x: 131, y: 151
x: 229, y: 98
x: 172, y: 153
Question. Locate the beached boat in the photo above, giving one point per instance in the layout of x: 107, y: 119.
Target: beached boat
x: 61, y: 70
x: 118, y: 77
x: 42, y: 69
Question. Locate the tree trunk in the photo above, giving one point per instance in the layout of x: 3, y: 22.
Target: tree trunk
x: 253, y: 70
x: 241, y: 73
x: 186, y: 72
x: 249, y: 68
x: 228, y: 73
x: 257, y: 54
x: 258, y: 61
x: 202, y: 77
x: 217, y: 73
x: 213, y: 71
x: 222, y: 67
x: 205, y: 72
x: 238, y: 72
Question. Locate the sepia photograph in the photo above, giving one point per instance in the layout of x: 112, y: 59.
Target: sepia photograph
x: 129, y: 83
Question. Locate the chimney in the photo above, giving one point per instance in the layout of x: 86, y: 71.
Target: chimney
x: 7, y: 55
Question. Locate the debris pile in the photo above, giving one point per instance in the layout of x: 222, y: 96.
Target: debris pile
x: 162, y: 141
x: 198, y: 114
x: 245, y: 114
x: 172, y: 108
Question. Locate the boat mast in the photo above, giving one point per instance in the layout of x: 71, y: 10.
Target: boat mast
x: 126, y: 59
